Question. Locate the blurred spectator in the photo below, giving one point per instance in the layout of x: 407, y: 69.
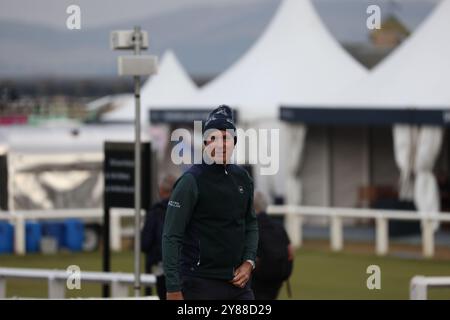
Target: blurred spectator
x: 275, y: 254
x: 9, y: 94
x: 151, y: 239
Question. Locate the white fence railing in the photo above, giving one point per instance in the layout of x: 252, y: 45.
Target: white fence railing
x: 418, y: 289
x: 293, y: 222
x: 57, y: 280
x: 295, y: 214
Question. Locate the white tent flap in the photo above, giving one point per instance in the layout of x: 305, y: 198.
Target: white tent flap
x: 426, y: 190
x: 403, y: 148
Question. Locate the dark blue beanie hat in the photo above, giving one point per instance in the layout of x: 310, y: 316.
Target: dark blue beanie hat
x: 221, y: 118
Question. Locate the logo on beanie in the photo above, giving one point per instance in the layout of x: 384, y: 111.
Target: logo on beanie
x: 222, y: 111
x: 210, y: 119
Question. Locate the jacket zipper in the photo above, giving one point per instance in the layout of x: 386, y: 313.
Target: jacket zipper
x: 232, y: 180
x: 199, y: 254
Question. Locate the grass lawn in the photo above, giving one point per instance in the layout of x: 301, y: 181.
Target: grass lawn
x: 318, y: 274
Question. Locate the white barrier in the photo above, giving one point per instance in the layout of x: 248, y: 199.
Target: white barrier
x: 419, y: 285
x: 57, y: 280
x: 296, y: 214
x: 294, y: 223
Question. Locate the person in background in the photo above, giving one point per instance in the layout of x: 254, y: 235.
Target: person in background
x: 151, y: 237
x: 444, y: 190
x: 275, y: 255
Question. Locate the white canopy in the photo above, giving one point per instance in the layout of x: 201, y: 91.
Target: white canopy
x: 414, y: 78
x: 416, y: 75
x: 295, y: 60
x: 168, y: 88
x: 64, y: 139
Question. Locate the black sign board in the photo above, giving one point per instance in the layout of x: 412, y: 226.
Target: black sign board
x: 119, y: 175
x: 3, y: 182
x: 118, y: 170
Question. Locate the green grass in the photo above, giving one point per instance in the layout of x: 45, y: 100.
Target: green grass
x: 120, y: 262
x: 318, y: 274
x: 326, y: 275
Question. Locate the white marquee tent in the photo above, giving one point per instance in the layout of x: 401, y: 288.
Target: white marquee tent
x: 410, y: 90
x: 58, y: 166
x: 296, y: 59
x: 417, y: 76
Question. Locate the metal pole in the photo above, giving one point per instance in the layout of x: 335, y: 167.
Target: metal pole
x: 106, y: 245
x: 137, y: 170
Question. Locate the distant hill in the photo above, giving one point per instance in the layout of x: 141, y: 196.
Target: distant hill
x: 218, y: 34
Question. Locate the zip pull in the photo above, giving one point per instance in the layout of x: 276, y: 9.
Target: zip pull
x: 226, y: 172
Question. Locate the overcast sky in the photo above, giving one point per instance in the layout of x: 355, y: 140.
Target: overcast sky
x: 206, y: 35
x: 97, y: 13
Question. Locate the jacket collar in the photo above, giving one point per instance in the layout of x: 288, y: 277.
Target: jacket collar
x: 214, y: 167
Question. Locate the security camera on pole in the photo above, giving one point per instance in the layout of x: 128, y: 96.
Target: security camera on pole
x: 136, y: 65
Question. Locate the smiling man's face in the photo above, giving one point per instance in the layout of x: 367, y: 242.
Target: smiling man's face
x: 220, y: 145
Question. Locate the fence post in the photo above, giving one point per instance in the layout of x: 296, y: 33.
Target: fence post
x: 300, y: 231
x: 56, y: 289
x: 427, y: 238
x: 19, y: 234
x: 2, y: 287
x: 293, y: 225
x: 417, y: 289
x: 115, y: 227
x: 336, y: 233
x: 119, y: 290
x: 382, y: 236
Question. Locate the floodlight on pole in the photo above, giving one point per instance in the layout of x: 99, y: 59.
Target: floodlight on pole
x: 136, y: 66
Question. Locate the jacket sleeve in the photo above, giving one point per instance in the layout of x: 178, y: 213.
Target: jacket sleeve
x: 178, y: 214
x: 251, y: 229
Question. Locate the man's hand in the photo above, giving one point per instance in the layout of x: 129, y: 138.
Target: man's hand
x: 242, y: 274
x: 177, y: 295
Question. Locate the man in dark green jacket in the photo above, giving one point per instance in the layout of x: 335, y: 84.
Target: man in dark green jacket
x: 210, y: 234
